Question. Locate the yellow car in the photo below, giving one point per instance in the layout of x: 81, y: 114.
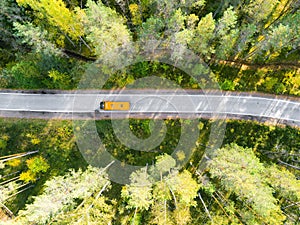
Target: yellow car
x: 106, y: 105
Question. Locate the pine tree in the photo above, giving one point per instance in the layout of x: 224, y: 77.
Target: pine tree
x: 239, y: 171
x: 104, y: 28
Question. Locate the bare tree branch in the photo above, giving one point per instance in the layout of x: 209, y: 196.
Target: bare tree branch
x: 205, y: 208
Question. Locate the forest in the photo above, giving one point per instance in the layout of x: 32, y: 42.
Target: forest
x: 248, y: 46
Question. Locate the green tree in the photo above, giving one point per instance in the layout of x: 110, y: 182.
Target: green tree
x: 10, y: 12
x: 164, y: 164
x: 184, y: 34
x: 284, y: 182
x: 62, y: 194
x: 138, y: 194
x: 239, y: 171
x: 150, y: 29
x: 175, y: 23
x: 227, y: 33
x: 160, y: 213
x: 184, y: 190
x: 180, y: 187
x: 36, y: 166
x: 104, y: 28
x: 204, y: 35
x: 60, y: 80
x: 281, y: 37
x: 94, y: 210
x: 260, y: 10
x: 184, y: 187
x: 174, y: 189
x: 36, y: 38
x: 246, y: 36
x: 3, y: 144
x: 58, y: 15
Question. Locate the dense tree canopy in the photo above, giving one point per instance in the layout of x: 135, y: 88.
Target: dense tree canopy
x: 250, y: 45
x: 236, y: 188
x: 61, y: 194
x: 253, y: 32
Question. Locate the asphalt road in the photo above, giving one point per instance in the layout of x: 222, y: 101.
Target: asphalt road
x: 218, y: 105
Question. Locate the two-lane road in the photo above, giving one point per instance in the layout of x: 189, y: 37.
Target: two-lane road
x: 167, y: 102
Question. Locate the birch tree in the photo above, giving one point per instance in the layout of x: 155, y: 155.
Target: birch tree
x: 58, y: 15
x: 61, y: 193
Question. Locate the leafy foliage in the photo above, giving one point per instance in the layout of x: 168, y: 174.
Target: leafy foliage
x: 242, y: 43
x: 57, y: 14
x: 61, y: 192
x: 104, y: 28
x: 94, y: 211
x: 10, y: 13
x: 138, y: 193
x: 240, y: 172
x: 35, y: 71
x: 36, y: 166
x: 204, y: 36
x: 37, y: 38
x: 237, y: 187
x: 156, y: 196
x: 284, y: 182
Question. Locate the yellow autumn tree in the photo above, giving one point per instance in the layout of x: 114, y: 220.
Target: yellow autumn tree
x: 58, y: 15
x: 135, y: 14
x: 36, y: 166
